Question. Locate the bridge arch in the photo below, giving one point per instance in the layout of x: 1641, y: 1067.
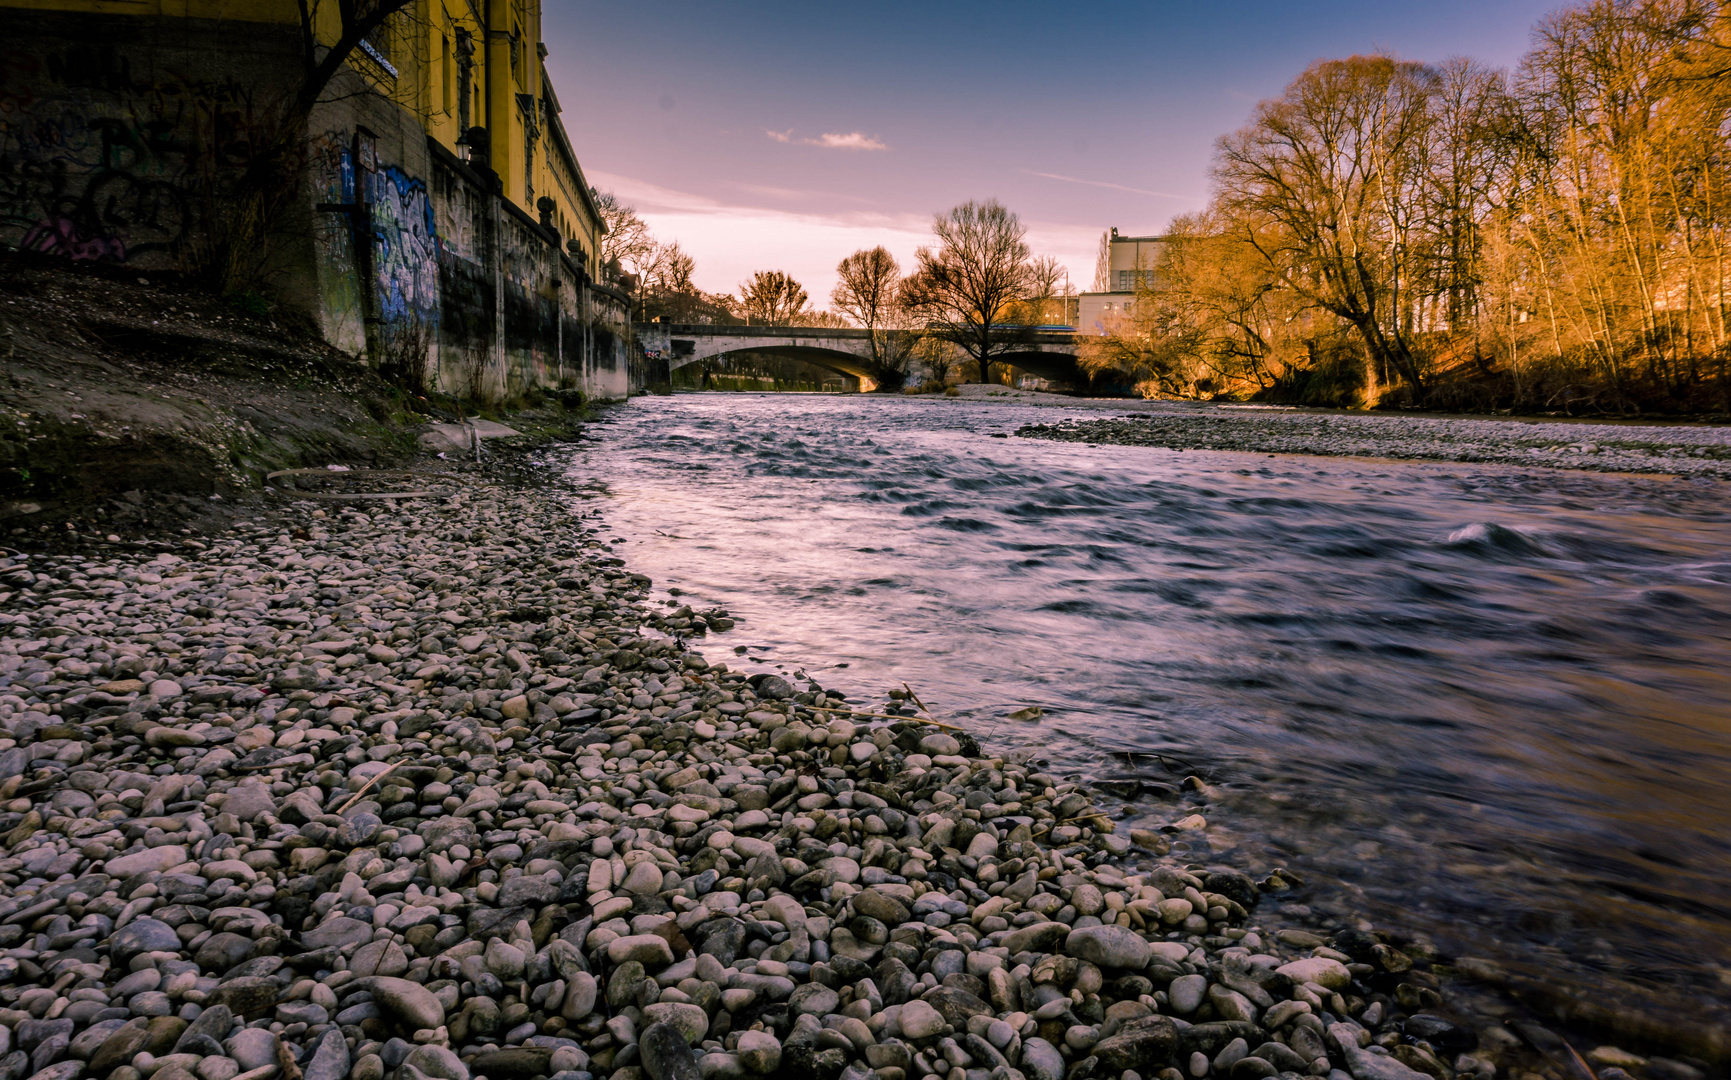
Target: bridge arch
x: 835, y: 360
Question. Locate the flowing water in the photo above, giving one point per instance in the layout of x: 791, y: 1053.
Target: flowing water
x: 1482, y: 703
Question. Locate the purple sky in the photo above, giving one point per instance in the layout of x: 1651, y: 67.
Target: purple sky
x: 784, y: 136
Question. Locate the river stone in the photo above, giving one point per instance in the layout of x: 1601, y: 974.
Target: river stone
x: 142, y: 935
x: 254, y: 1048
x: 580, y: 997
x: 1233, y: 885
x: 644, y: 879
x: 1041, y: 937
x: 689, y: 1020
x: 774, y: 688
x: 1330, y: 974
x: 504, y: 960
x: 666, y: 1051
x: 1041, y: 1060
x: 330, y: 1061
x: 247, y: 800
x: 527, y: 890
x: 957, y: 1006
x: 1215, y: 1035
x: 249, y: 995
x: 437, y: 1062
x: 814, y: 998
x: 1139, y: 1045
x: 119, y: 1048
x: 90, y: 1040
x: 222, y: 951
x: 1109, y: 946
x: 623, y: 984
x: 415, y: 1005
x: 1185, y: 993
x: 161, y: 1033
x: 759, y: 1052
x: 648, y: 949
x: 880, y: 906
x: 919, y: 1020
x: 213, y: 1023
x: 66, y: 1070
x: 1251, y: 1067
x: 339, y: 932
x: 1365, y: 1065
x: 143, y: 862
x: 523, y: 1061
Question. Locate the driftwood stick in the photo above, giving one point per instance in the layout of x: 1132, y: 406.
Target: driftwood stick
x: 883, y: 716
x: 356, y: 797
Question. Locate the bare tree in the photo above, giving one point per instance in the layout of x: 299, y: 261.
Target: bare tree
x: 818, y: 317
x: 1325, y: 180
x: 669, y: 269
x: 627, y: 240
x: 966, y: 286
x: 1103, y: 264
x: 1046, y: 276
x: 773, y: 298
x: 867, y: 292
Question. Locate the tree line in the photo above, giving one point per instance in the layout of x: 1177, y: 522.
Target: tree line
x: 972, y: 297
x: 1453, y: 235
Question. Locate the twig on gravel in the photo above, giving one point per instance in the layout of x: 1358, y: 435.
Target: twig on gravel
x: 356, y: 797
x: 884, y: 716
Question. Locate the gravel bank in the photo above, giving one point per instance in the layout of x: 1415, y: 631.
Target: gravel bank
x: 1621, y: 448
x: 423, y: 794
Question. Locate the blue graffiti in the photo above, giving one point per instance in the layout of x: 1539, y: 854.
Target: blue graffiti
x: 406, y: 256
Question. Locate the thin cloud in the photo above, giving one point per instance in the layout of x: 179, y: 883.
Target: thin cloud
x: 853, y: 140
x: 1103, y: 184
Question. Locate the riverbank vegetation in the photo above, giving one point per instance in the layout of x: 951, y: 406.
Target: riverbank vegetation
x: 1389, y: 232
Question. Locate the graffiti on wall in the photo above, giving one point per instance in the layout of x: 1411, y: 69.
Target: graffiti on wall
x: 376, y: 238
x: 102, y: 163
x: 405, y: 248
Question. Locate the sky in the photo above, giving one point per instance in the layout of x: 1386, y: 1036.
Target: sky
x: 783, y: 136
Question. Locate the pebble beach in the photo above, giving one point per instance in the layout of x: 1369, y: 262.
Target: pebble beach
x: 434, y: 791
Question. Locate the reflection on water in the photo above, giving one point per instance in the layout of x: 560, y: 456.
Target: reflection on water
x: 1487, y: 703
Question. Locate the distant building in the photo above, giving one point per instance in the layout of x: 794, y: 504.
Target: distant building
x: 1134, y: 263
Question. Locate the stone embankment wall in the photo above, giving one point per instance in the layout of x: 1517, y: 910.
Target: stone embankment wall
x: 122, y: 137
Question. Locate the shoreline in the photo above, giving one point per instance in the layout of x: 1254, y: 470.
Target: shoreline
x: 410, y: 791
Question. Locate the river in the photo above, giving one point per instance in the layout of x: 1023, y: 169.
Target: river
x: 1481, y: 703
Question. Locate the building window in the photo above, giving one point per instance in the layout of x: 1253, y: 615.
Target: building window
x: 447, y: 74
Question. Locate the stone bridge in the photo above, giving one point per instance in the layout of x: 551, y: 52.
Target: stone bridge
x: 1049, y: 354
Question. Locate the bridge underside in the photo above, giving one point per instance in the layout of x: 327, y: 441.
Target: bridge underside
x: 1053, y: 366
x: 841, y: 363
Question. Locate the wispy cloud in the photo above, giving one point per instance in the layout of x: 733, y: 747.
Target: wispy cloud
x: 1103, y: 184
x: 853, y: 140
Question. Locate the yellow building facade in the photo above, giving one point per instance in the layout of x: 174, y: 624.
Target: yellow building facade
x: 440, y: 207
x: 453, y: 64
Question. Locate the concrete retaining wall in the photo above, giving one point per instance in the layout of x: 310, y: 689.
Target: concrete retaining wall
x: 122, y: 136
